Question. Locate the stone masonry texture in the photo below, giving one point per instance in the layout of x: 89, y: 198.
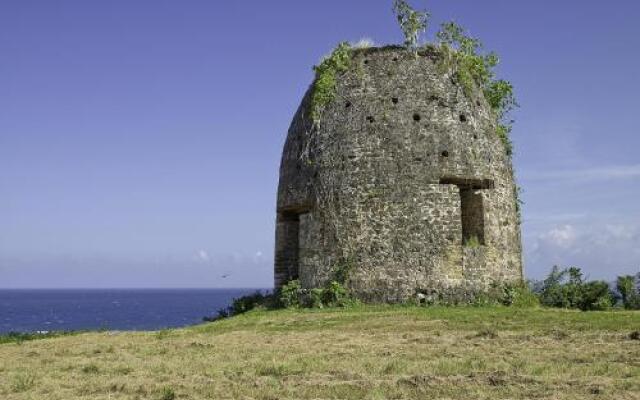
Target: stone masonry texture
x: 403, y: 181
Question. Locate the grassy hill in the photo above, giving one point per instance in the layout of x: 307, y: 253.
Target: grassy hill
x: 357, y: 353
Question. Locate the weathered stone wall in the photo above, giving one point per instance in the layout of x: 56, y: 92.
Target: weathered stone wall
x: 380, y: 183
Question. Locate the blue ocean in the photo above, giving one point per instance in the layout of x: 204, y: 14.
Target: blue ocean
x: 112, y: 309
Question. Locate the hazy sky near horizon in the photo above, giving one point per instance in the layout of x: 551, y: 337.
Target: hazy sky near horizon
x: 140, y: 140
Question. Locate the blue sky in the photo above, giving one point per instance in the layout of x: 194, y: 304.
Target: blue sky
x: 140, y: 140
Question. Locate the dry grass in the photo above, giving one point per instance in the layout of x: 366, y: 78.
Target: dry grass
x: 363, y: 353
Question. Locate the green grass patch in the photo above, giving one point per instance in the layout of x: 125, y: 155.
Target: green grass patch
x: 356, y: 352
x: 20, y: 337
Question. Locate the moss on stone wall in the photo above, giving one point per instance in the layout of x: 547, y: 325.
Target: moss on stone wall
x: 324, y: 86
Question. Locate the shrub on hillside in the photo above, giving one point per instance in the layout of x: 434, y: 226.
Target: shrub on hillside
x: 240, y: 305
x: 551, y: 292
x: 334, y: 294
x: 247, y: 303
x: 595, y: 296
x: 519, y: 295
x: 507, y: 294
x: 627, y: 287
x: 566, y: 288
x: 288, y: 296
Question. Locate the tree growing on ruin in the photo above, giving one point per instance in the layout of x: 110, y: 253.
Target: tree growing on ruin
x: 412, y: 22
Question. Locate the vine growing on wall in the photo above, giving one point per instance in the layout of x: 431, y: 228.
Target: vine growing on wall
x: 323, y: 90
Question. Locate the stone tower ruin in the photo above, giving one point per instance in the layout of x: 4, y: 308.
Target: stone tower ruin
x: 403, y: 181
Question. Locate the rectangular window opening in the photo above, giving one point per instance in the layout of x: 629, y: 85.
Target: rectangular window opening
x: 472, y: 210
x: 288, y: 250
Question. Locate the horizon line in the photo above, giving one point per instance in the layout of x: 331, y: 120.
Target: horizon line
x: 136, y: 288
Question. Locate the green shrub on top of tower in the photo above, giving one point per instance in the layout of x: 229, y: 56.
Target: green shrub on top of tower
x: 463, y: 54
x: 324, y: 86
x: 499, y: 94
x: 455, y: 36
x: 475, y: 70
x: 412, y: 22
